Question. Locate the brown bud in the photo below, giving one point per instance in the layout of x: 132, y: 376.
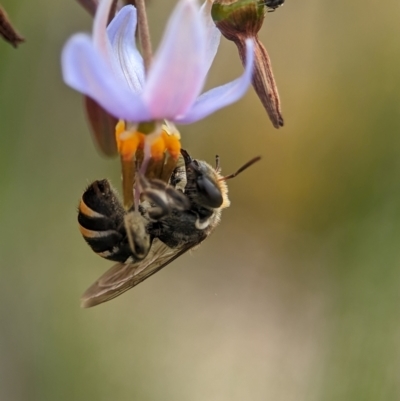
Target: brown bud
x: 7, y: 31
x: 241, y: 19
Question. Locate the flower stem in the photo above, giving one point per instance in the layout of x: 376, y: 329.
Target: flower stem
x: 144, y: 33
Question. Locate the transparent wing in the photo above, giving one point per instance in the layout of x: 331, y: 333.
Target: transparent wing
x: 124, y: 276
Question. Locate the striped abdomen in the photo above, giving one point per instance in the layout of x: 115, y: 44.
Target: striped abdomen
x: 101, y: 222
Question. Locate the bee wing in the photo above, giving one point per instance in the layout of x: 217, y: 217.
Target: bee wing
x: 124, y: 276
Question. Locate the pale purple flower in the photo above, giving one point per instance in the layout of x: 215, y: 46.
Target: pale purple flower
x: 108, y: 67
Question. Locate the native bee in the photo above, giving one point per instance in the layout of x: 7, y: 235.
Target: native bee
x: 273, y: 4
x: 169, y: 220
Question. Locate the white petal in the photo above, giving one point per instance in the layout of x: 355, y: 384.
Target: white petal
x: 176, y: 76
x: 85, y: 70
x: 121, y: 33
x: 213, y: 35
x: 224, y: 95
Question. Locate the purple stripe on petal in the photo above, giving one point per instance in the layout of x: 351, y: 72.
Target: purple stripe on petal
x: 85, y: 70
x: 128, y: 60
x: 177, y: 74
x: 221, y: 96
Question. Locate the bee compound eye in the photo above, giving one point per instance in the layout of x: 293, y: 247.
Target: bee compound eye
x: 211, y: 195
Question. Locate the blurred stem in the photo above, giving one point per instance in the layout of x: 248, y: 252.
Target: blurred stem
x: 144, y: 34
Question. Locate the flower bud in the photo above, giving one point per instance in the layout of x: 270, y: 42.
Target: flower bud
x: 239, y: 20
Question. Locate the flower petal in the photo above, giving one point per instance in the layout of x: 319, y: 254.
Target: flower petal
x: 177, y: 74
x: 121, y: 33
x: 224, y: 95
x: 100, y: 22
x: 85, y: 70
x: 213, y: 35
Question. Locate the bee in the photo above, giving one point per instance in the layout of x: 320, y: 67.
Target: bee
x: 273, y: 4
x: 169, y: 220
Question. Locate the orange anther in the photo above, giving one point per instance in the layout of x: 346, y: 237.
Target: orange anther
x: 158, y: 148
x: 172, y: 144
x: 127, y: 141
x: 119, y: 128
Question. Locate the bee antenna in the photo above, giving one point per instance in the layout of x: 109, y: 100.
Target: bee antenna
x: 217, y: 166
x: 244, y: 167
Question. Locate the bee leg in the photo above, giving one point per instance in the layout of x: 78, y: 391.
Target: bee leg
x: 178, y: 178
x: 138, y: 237
x: 154, y: 191
x: 177, y: 199
x: 163, y: 198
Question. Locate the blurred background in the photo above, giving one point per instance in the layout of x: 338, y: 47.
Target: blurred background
x: 294, y: 297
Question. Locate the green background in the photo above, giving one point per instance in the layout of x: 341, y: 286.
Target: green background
x: 294, y: 297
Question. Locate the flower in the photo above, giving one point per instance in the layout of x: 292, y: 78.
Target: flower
x: 108, y: 67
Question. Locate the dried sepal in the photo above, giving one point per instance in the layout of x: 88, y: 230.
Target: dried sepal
x: 263, y: 81
x: 102, y: 126
x: 7, y: 31
x: 239, y: 20
x: 133, y: 2
x: 91, y: 6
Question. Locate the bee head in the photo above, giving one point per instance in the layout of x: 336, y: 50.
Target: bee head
x: 207, y: 183
x: 209, y: 191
